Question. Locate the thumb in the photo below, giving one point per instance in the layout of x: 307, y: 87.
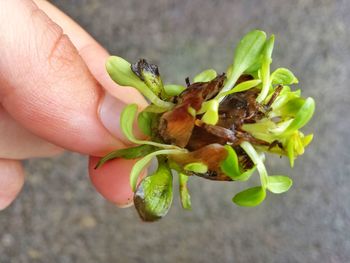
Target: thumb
x: 45, y: 84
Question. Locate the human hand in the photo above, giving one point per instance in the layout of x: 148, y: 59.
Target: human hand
x: 52, y: 97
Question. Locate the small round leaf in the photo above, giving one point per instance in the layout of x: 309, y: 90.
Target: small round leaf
x: 250, y: 197
x: 279, y: 184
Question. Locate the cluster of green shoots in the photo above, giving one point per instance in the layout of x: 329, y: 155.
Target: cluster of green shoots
x: 286, y: 115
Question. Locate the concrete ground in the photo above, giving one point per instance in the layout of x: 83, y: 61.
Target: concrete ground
x: 60, y: 218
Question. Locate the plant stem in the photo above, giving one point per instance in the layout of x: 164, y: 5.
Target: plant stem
x: 254, y: 156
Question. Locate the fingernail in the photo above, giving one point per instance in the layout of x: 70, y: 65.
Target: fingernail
x: 126, y: 205
x: 109, y: 112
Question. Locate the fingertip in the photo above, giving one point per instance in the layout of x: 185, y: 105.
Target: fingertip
x: 112, y: 180
x: 11, y: 181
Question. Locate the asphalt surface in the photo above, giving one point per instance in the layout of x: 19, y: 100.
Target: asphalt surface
x: 60, y: 218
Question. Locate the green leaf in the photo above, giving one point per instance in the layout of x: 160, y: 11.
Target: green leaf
x: 265, y: 69
x: 247, y: 53
x: 290, y: 151
x: 155, y: 109
x: 246, y: 85
x: 280, y: 127
x: 229, y: 71
x: 302, y: 117
x: 145, y: 120
x: 257, y: 160
x: 200, y: 168
x: 205, y: 76
x: 285, y: 96
x: 149, y: 74
x: 248, y: 50
x: 142, y: 163
x: 307, y: 139
x: 246, y: 175
x: 212, y: 114
x: 298, y: 144
x: 127, y: 121
x: 291, y: 108
x: 184, y: 193
x: 204, y: 107
x: 154, y: 195
x: 279, y: 184
x: 250, y: 197
x: 127, y: 118
x: 173, y: 90
x: 120, y: 71
x: 230, y: 165
x: 128, y: 153
x: 283, y: 76
x: 253, y: 69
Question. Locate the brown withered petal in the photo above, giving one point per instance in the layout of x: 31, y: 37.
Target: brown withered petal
x: 206, y: 141
x: 176, y: 125
x: 239, y: 108
x: 211, y: 155
x: 199, y: 92
x: 200, y: 138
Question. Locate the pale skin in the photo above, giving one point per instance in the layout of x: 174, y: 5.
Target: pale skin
x: 55, y: 95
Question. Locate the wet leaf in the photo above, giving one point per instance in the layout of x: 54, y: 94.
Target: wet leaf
x: 154, y: 195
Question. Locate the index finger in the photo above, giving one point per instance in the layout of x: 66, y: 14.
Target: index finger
x: 45, y: 84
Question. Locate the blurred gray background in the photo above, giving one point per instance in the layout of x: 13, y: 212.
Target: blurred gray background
x: 60, y: 218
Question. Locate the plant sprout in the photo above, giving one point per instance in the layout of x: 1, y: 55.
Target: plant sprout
x: 217, y: 126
